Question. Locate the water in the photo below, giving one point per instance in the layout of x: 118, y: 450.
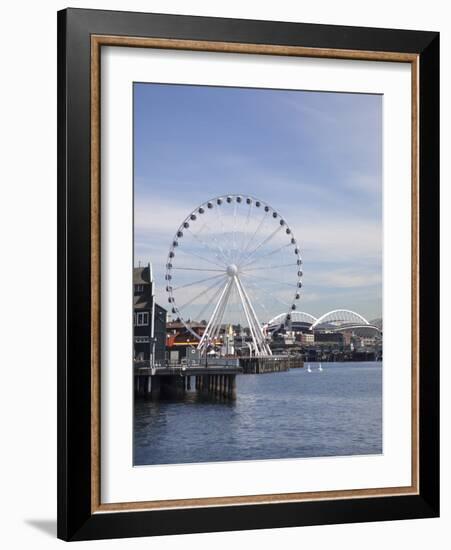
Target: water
x: 291, y: 414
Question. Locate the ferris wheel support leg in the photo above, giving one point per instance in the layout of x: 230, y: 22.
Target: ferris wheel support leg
x: 248, y: 318
x: 202, y: 344
x: 215, y: 331
x: 254, y: 327
x: 264, y: 348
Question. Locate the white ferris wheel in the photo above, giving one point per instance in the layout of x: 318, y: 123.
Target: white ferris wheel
x: 233, y: 261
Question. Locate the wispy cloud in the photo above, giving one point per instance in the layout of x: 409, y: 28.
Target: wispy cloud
x: 347, y: 279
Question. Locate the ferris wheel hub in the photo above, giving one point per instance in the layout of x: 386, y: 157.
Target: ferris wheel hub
x: 232, y: 270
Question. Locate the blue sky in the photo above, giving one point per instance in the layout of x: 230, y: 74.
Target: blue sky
x: 314, y: 156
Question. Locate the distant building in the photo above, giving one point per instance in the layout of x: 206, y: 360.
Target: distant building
x: 149, y: 318
x: 367, y: 342
x: 306, y: 338
x: 329, y: 337
x: 347, y: 338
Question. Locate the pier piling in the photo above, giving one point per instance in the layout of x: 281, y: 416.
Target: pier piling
x: 155, y: 387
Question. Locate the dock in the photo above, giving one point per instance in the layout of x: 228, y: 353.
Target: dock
x: 214, y: 378
x: 273, y: 363
x: 174, y: 381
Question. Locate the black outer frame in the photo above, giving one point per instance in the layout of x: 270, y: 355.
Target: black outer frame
x: 75, y: 520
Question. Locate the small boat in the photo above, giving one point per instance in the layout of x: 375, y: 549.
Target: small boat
x: 320, y: 368
x: 309, y: 369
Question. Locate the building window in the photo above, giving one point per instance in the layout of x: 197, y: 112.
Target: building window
x: 139, y: 289
x: 142, y: 340
x: 142, y: 319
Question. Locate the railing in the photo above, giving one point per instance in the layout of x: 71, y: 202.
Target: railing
x: 172, y: 367
x: 211, y: 362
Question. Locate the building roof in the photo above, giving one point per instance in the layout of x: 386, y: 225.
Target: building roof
x: 145, y: 302
x: 141, y: 275
x: 179, y: 325
x: 161, y: 308
x: 142, y: 302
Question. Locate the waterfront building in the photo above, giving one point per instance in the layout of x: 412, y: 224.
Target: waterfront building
x: 149, y: 319
x: 180, y: 341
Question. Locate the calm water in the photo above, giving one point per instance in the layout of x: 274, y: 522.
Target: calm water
x: 281, y: 415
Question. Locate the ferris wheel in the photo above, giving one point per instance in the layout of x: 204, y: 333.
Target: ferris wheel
x: 233, y: 261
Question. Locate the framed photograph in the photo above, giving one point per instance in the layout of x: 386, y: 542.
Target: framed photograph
x: 248, y: 274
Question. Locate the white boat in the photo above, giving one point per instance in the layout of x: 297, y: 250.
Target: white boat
x: 308, y: 368
x: 320, y: 368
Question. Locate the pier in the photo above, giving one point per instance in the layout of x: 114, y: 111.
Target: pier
x: 215, y: 378
x: 274, y: 363
x: 172, y: 382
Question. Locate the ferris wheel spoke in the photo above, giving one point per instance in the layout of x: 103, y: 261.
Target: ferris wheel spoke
x: 263, y: 243
x: 260, y: 226
x: 271, y: 253
x: 245, y: 227
x: 265, y: 267
x: 203, y: 292
x: 211, y: 236
x: 214, y: 296
x: 190, y: 253
x: 275, y: 281
x: 197, y: 269
x: 221, y: 219
x: 241, y: 232
x: 216, y: 252
x: 274, y: 297
x: 197, y: 282
x: 235, y: 206
x: 251, y: 285
x: 224, y: 254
